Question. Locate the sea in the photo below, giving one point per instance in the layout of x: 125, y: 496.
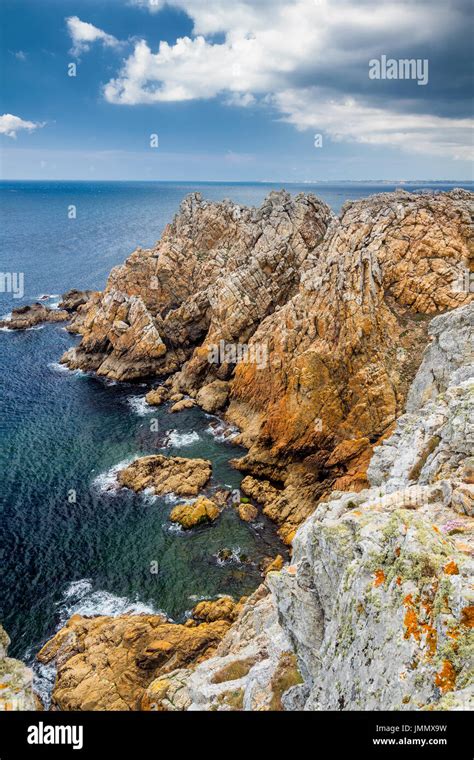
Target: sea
x: 72, y: 541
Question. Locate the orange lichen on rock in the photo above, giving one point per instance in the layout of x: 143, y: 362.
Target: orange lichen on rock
x: 379, y: 578
x: 467, y: 616
x: 451, y: 568
x: 445, y: 680
x: 414, y: 627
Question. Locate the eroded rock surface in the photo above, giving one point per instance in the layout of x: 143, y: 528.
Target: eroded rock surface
x: 24, y: 317
x: 107, y: 663
x: 184, y: 477
x: 16, y: 681
x: 218, y: 270
x: 376, y: 609
x: 333, y: 314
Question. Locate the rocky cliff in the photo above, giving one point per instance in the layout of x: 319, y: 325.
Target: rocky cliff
x: 332, y: 314
x: 376, y: 610
x: 354, y: 400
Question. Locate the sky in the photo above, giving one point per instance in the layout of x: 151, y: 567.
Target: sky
x: 236, y: 90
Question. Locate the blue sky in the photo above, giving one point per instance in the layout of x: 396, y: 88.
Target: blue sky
x: 234, y: 89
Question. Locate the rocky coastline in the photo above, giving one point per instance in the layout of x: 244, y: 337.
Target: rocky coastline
x: 342, y: 349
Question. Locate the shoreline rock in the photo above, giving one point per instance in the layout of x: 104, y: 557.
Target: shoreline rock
x: 184, y: 477
x: 335, y: 309
x: 25, y: 317
x: 200, y: 512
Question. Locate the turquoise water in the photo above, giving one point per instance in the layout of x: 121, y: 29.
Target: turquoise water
x: 64, y: 432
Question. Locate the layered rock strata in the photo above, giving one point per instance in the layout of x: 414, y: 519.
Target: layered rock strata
x: 305, y: 330
x: 376, y: 610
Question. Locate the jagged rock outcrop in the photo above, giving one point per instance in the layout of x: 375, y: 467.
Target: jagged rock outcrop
x: 24, y: 317
x: 107, y: 663
x: 217, y: 271
x: 376, y: 610
x: 360, y: 455
x: 332, y: 314
x: 184, y: 477
x: 73, y: 299
x: 16, y: 681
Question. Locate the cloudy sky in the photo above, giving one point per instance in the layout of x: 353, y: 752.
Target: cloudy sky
x: 234, y: 90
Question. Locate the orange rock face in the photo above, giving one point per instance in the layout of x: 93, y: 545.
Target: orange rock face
x: 106, y: 663
x: 332, y: 313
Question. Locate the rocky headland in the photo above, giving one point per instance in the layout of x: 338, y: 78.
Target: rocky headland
x: 342, y: 349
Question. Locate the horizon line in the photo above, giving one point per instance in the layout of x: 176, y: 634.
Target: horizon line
x: 247, y: 181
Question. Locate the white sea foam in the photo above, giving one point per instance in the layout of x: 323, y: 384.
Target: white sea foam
x: 179, y: 439
x: 107, y: 481
x: 149, y: 497
x: 80, y: 599
x: 139, y: 405
x: 234, y: 556
x: 173, y: 498
x: 64, y: 369
x: 220, y: 430
x: 44, y: 677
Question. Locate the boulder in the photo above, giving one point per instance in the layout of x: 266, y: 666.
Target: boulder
x: 184, y: 477
x: 198, y: 513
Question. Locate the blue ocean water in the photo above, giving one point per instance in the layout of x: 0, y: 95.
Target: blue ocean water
x: 63, y: 432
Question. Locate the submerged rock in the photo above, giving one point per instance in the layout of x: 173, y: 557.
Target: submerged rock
x: 184, y: 477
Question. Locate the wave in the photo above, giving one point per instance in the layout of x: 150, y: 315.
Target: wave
x: 80, y: 599
x: 177, y: 439
x: 107, y: 481
x: 64, y: 369
x: 220, y: 430
x: 139, y: 405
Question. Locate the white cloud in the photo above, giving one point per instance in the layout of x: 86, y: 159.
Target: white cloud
x: 84, y: 34
x: 300, y: 56
x: 10, y: 125
x: 346, y: 120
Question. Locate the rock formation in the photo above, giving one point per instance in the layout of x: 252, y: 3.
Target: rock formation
x: 16, y: 690
x: 332, y: 314
x: 24, y: 317
x: 376, y: 609
x: 218, y: 270
x: 200, y: 512
x: 184, y: 477
x: 107, y: 663
x: 360, y: 455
